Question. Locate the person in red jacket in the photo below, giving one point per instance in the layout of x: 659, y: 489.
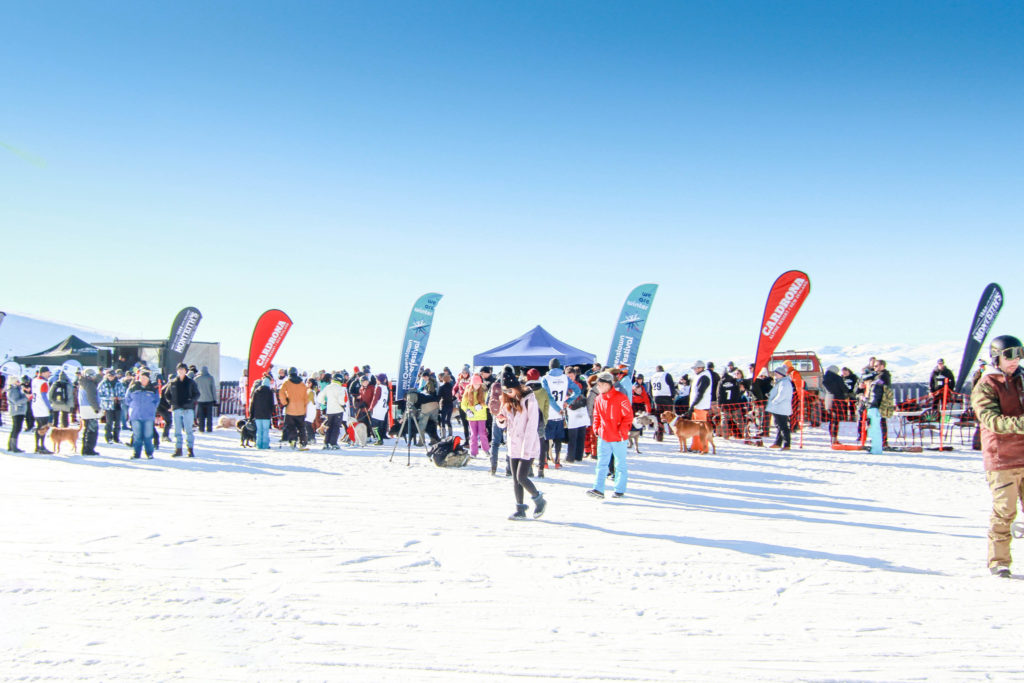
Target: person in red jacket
x: 641, y: 399
x: 613, y: 416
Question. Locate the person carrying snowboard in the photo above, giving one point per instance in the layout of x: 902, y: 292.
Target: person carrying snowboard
x: 998, y: 401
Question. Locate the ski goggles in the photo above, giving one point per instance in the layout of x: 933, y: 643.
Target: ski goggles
x: 1012, y: 353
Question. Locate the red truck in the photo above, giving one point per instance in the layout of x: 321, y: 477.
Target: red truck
x: 808, y: 365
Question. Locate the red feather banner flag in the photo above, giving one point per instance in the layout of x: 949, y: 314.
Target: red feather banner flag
x: 266, y: 340
x: 784, y: 300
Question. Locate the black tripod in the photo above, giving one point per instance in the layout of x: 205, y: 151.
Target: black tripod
x: 411, y: 412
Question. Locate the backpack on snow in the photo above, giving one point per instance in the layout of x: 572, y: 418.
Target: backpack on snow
x: 448, y: 452
x: 60, y: 392
x: 887, y: 407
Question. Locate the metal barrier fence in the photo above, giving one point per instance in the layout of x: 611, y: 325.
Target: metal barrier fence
x: 917, y: 415
x: 232, y: 399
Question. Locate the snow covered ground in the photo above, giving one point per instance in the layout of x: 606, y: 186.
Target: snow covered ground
x: 278, y: 565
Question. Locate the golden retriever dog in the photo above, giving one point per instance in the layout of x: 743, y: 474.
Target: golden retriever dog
x: 689, y: 429
x: 60, y: 435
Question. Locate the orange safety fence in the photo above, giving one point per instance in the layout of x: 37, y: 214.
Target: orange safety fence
x: 939, y: 416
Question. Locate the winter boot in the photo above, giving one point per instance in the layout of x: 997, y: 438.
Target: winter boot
x: 539, y: 505
x: 12, y: 446
x: 177, y: 453
x: 89, y: 443
x: 519, y: 514
x: 190, y: 453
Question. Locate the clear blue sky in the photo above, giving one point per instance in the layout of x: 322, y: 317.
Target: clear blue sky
x: 532, y: 161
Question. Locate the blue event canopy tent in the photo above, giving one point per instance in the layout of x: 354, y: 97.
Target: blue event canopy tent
x: 535, y: 348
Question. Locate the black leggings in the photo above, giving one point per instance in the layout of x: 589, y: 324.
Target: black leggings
x: 16, y: 422
x: 445, y: 416
x: 576, y: 437
x: 521, y: 479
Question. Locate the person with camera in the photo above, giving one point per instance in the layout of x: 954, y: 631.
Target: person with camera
x: 998, y: 402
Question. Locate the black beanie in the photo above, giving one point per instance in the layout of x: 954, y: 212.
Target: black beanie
x: 554, y: 363
x: 509, y: 379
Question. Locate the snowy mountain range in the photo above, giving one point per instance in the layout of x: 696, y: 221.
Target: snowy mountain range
x: 906, y: 362
x: 20, y: 334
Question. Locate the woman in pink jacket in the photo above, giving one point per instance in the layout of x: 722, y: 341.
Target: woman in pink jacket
x: 519, y: 415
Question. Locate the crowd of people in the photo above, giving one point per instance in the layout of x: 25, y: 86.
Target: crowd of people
x: 578, y: 410
x: 588, y: 412
x: 120, y: 400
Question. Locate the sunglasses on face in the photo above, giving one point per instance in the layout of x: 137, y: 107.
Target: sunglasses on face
x: 1013, y: 353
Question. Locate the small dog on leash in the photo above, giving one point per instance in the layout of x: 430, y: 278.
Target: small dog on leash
x: 640, y: 421
x: 247, y: 430
x: 688, y: 429
x: 59, y: 435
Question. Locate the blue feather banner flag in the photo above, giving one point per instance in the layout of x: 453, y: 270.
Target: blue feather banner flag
x: 630, y: 327
x: 417, y: 332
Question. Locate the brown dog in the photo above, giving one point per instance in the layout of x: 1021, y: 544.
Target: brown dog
x: 59, y: 435
x: 688, y: 429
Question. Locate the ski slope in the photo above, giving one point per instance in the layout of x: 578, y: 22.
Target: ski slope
x: 750, y: 564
